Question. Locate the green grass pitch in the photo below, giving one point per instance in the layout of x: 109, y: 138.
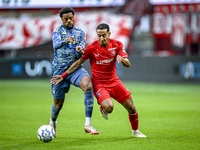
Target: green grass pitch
x: 169, y: 115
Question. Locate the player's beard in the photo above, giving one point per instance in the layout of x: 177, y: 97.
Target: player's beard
x: 103, y: 44
x: 69, y: 26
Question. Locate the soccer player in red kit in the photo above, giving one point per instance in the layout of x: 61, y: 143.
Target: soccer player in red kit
x: 103, y: 55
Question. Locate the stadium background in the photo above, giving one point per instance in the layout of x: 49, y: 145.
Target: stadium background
x: 161, y: 37
x: 169, y: 113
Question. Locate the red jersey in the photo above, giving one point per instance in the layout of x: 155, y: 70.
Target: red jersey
x: 103, y: 61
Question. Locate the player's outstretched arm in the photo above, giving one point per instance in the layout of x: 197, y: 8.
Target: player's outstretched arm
x: 125, y: 62
x: 58, y: 78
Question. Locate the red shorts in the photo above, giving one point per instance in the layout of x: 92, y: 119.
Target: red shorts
x: 119, y: 92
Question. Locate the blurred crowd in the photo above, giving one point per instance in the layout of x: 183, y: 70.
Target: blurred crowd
x: 156, y: 30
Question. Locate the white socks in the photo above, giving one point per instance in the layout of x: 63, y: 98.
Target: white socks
x: 87, y: 121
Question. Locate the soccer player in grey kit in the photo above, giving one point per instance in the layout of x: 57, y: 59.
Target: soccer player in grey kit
x: 69, y: 45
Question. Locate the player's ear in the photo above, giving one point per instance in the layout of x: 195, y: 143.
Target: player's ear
x: 109, y: 33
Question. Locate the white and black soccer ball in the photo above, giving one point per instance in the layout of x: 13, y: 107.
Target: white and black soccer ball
x: 46, y: 133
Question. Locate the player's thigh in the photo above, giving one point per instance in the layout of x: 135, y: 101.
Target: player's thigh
x: 101, y: 94
x: 85, y: 83
x: 76, y: 77
x: 128, y: 104
x: 58, y: 91
x: 120, y: 93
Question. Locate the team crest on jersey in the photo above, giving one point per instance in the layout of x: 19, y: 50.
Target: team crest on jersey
x: 56, y: 34
x: 113, y: 53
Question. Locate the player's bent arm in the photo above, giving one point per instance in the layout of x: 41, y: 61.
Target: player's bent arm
x: 126, y: 62
x: 72, y: 68
x: 75, y: 66
x: 56, y: 39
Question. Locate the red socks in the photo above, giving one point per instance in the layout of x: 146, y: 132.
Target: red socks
x: 103, y: 109
x: 133, y: 118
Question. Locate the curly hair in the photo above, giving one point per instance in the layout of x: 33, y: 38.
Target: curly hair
x: 65, y: 10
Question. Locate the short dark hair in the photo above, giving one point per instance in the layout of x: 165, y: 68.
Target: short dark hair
x: 65, y: 10
x: 103, y: 26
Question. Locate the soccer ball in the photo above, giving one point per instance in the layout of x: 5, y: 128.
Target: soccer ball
x: 46, y: 133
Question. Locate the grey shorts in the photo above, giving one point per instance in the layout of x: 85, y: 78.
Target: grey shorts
x: 58, y: 91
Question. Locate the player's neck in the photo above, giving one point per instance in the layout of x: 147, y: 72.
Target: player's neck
x: 104, y: 45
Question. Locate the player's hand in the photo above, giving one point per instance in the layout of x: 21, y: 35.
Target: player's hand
x: 125, y: 62
x: 79, y: 49
x: 56, y: 79
x: 69, y: 39
x: 119, y: 59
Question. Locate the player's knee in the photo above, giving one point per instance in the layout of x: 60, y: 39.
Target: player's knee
x: 86, y: 84
x: 88, y: 87
x: 132, y: 109
x: 58, y: 106
x: 109, y: 108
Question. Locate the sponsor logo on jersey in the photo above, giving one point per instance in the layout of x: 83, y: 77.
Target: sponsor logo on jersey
x: 112, y: 48
x: 74, y: 42
x: 104, y: 61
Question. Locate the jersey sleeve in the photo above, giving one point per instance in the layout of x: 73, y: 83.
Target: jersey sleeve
x: 122, y: 51
x: 82, y: 40
x: 86, y: 54
x: 56, y: 39
x: 81, y: 43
